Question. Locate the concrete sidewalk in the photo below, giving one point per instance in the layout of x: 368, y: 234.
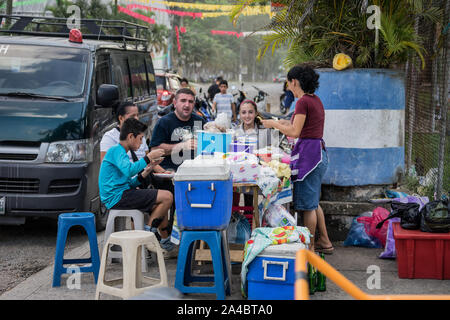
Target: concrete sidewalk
x: 352, y: 262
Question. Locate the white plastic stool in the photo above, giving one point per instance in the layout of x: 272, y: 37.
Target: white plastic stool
x: 138, y: 219
x: 130, y: 241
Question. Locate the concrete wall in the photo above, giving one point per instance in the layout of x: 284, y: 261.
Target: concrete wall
x: 364, y: 135
x: 364, y: 125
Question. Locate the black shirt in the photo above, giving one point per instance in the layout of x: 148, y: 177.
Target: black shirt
x: 169, y: 130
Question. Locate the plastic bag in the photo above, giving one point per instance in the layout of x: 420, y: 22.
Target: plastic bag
x: 357, y: 235
x: 408, y: 213
x: 389, y: 248
x: 239, y: 229
x: 370, y: 223
x: 278, y: 216
x: 435, y: 216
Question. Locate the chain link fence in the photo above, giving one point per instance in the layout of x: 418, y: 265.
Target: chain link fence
x: 427, y: 129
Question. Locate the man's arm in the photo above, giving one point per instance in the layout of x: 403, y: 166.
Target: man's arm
x: 213, y: 107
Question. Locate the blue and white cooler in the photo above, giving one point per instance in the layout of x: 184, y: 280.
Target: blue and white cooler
x: 203, y: 194
x: 271, y: 275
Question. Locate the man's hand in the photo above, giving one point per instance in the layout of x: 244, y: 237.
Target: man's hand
x: 190, y: 144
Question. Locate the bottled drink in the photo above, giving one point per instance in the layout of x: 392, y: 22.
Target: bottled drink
x: 321, y: 284
x: 311, y: 279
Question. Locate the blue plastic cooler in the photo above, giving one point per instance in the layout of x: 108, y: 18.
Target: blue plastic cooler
x: 203, y: 194
x: 271, y: 275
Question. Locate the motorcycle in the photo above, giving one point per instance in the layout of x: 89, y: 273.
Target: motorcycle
x: 203, y: 107
x: 260, y: 99
x: 239, y: 96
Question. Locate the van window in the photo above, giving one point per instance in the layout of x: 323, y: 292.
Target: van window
x: 103, y: 71
x: 121, y: 75
x: 138, y: 77
x: 151, y: 75
x: 43, y: 70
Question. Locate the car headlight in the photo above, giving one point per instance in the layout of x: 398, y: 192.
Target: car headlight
x: 69, y: 151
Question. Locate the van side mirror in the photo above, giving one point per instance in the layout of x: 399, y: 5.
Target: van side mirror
x: 107, y: 95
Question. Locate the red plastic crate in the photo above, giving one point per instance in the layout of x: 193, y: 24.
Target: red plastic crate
x: 422, y: 255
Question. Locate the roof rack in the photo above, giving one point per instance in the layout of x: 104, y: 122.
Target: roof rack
x: 96, y: 29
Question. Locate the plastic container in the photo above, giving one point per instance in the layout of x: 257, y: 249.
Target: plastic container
x: 271, y: 275
x: 422, y: 255
x: 203, y: 194
x: 210, y: 142
x: 241, y: 147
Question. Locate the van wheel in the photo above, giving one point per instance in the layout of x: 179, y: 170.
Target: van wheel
x: 101, y: 217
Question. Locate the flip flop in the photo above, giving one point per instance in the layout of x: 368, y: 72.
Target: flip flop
x: 328, y: 250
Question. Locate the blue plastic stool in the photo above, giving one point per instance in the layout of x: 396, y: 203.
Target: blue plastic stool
x: 186, y: 256
x: 65, y: 222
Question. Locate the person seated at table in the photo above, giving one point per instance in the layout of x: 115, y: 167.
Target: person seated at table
x: 252, y: 128
x: 119, y: 178
x: 174, y: 132
x: 111, y: 138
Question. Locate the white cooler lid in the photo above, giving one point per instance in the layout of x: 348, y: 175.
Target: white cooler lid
x: 207, y: 168
x: 285, y: 250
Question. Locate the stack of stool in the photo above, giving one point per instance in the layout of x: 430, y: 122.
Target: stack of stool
x: 218, y: 244
x: 65, y: 222
x: 132, y: 280
x: 138, y: 219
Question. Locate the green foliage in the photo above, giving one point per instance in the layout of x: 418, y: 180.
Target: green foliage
x: 222, y: 53
x: 316, y: 30
x: 96, y: 9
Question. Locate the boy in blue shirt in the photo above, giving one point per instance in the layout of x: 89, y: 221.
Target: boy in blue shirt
x: 119, y: 178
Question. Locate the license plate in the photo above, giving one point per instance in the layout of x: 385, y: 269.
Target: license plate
x: 2, y: 205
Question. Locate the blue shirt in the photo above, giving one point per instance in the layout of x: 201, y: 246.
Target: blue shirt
x: 116, y: 174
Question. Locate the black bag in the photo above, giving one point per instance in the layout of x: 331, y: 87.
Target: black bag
x: 408, y: 213
x: 435, y: 216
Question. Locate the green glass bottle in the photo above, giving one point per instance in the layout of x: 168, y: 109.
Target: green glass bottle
x: 311, y: 279
x: 321, y: 284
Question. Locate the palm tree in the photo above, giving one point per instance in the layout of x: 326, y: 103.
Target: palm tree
x: 315, y: 30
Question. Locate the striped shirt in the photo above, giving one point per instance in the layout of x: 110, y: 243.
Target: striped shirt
x: 223, y: 103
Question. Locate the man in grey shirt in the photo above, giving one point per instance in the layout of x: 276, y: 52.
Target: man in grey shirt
x: 224, y: 102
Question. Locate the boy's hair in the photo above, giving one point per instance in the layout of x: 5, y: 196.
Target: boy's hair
x: 184, y: 80
x: 185, y: 91
x: 133, y: 126
x: 225, y: 82
x: 122, y: 109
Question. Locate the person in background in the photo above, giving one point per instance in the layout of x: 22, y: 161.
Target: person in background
x: 170, y: 132
x: 289, y: 96
x: 223, y: 102
x: 185, y: 84
x: 214, y: 88
x: 119, y: 178
x: 309, y: 159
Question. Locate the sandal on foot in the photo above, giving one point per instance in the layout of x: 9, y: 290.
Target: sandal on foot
x: 328, y: 250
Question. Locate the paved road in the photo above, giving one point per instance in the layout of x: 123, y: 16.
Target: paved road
x: 29, y: 248
x: 273, y: 89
